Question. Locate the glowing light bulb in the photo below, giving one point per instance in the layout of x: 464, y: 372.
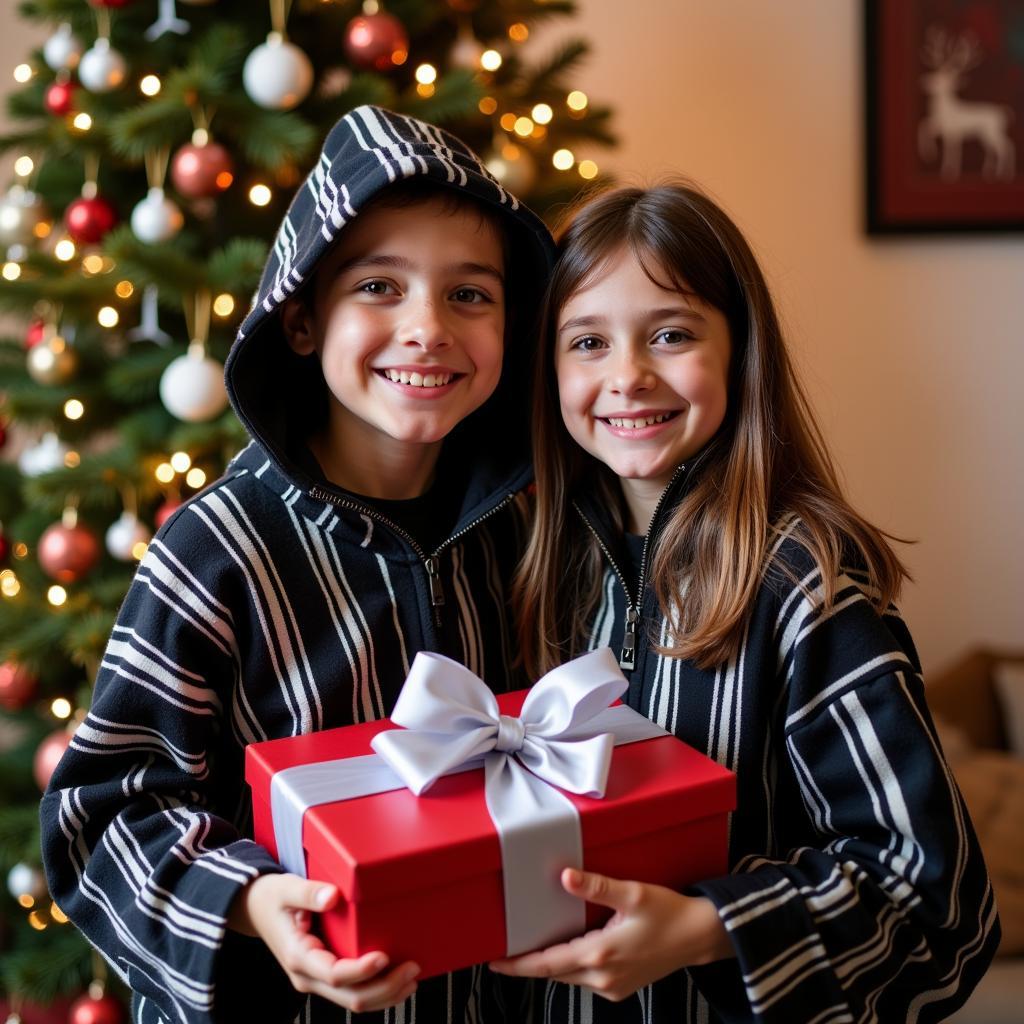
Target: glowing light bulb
x: 56, y: 595
x: 426, y: 74
x: 108, y: 316
x: 523, y: 126
x: 139, y: 549
x: 563, y: 159
x: 64, y: 250
x: 124, y: 289
x: 490, y: 60
x: 92, y: 264
x: 61, y: 708
x: 180, y: 461
x: 11, y: 271
x: 488, y: 105
x: 195, y: 477
x: 150, y: 85
x: 518, y: 32
x: 224, y: 305
x: 542, y: 113
x: 164, y: 472
x: 24, y: 166
x: 577, y: 100
x: 259, y: 195
x: 73, y: 409
x: 587, y: 169
x: 82, y: 121
x: 23, y: 73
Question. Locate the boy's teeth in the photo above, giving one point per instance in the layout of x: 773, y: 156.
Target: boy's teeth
x: 636, y: 424
x: 418, y: 380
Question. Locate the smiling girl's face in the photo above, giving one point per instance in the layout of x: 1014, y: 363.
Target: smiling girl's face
x: 642, y: 371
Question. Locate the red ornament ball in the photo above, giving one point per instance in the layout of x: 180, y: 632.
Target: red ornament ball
x: 47, y: 755
x: 165, y: 511
x: 376, y: 42
x: 92, y: 1010
x: 34, y: 334
x: 59, y: 98
x: 17, y: 685
x: 68, y: 553
x: 88, y: 220
x: 200, y: 171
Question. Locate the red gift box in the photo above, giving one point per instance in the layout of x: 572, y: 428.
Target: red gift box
x: 421, y: 876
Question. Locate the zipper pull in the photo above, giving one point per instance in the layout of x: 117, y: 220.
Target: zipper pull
x: 628, y: 658
x: 436, y: 590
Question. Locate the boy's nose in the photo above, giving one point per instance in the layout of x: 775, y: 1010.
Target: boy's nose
x: 426, y: 327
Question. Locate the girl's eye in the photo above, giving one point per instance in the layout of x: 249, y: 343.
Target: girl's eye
x: 588, y: 343
x: 673, y: 336
x: 469, y: 295
x: 375, y: 287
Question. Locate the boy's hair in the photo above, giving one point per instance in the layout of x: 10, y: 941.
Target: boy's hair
x: 767, y: 459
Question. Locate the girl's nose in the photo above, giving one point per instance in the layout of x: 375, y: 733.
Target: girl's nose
x: 426, y: 327
x: 630, y: 374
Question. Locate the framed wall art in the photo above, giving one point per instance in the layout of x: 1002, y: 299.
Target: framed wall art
x: 944, y: 115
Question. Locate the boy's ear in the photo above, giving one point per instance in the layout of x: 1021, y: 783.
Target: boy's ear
x: 297, y: 324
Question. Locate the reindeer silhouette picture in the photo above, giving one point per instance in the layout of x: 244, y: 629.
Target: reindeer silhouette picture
x: 949, y: 121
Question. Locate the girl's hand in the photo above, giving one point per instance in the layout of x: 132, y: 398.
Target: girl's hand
x: 653, y: 932
x: 278, y: 908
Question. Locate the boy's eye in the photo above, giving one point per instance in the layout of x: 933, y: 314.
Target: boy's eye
x: 469, y: 295
x: 375, y: 287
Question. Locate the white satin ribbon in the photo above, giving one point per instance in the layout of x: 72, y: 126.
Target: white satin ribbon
x: 563, y: 738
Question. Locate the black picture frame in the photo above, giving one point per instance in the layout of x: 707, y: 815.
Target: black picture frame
x: 944, y: 116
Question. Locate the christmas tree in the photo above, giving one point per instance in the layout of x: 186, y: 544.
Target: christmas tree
x: 156, y: 148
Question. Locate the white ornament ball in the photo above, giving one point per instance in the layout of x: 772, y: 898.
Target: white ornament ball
x: 123, y: 534
x: 62, y: 50
x: 514, y: 167
x: 20, y: 211
x: 192, y: 388
x: 25, y: 880
x: 46, y: 455
x: 277, y: 74
x: 466, y: 52
x: 156, y: 218
x: 101, y: 68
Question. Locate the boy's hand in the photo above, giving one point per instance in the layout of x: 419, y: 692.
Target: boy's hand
x: 278, y: 908
x: 653, y: 932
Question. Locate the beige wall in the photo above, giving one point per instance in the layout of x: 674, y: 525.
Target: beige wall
x: 912, y: 350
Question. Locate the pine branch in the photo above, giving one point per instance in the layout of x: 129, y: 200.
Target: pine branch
x: 266, y: 138
x: 456, y: 96
x: 550, y: 75
x: 19, y: 835
x: 237, y: 267
x: 49, y: 965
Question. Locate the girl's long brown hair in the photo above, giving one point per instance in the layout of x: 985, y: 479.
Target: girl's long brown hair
x: 767, y: 460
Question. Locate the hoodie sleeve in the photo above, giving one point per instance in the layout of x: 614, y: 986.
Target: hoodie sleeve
x: 138, y: 849
x: 882, y: 909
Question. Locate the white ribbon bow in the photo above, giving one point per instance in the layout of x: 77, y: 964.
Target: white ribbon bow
x: 563, y: 738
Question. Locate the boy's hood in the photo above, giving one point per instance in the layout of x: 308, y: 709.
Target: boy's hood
x: 369, y: 149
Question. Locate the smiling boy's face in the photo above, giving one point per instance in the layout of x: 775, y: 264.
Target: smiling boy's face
x: 407, y: 317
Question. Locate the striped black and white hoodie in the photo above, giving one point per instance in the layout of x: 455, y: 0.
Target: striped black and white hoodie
x: 274, y: 604
x: 856, y: 889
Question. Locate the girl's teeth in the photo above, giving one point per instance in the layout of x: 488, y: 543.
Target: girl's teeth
x: 418, y: 380
x: 636, y: 424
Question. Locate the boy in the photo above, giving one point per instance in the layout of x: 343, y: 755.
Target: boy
x: 371, y: 516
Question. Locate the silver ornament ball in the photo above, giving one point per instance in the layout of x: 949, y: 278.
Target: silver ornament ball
x: 26, y: 880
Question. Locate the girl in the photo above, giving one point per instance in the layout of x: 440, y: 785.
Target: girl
x: 689, y: 515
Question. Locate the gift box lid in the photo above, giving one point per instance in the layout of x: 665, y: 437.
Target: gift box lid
x: 389, y: 842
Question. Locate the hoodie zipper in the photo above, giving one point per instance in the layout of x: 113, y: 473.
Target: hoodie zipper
x: 627, y: 658
x: 431, y: 562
